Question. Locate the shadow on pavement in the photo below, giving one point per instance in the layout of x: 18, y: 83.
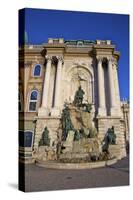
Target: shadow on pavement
x: 122, y: 165
x: 13, y: 185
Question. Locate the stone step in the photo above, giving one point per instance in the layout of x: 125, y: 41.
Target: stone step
x: 89, y: 165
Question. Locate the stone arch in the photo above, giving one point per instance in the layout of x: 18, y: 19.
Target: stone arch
x: 80, y: 75
x: 89, y: 70
x: 30, y: 89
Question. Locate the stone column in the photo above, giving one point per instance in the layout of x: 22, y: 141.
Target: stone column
x: 113, y: 103
x: 93, y: 96
x: 101, y: 90
x: 117, y: 87
x: 56, y: 109
x: 91, y: 89
x: 44, y: 109
x: 26, y: 75
x: 58, y: 83
x: 111, y: 83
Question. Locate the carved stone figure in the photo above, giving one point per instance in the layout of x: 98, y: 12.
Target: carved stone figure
x: 78, y: 99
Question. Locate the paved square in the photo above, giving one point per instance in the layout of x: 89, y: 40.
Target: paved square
x: 42, y: 179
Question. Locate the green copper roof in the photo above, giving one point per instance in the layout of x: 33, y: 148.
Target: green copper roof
x: 80, y: 42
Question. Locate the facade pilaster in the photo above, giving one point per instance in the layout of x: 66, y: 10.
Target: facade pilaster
x: 56, y: 109
x: 101, y: 89
x: 44, y: 107
x: 114, y: 106
x: 117, y: 87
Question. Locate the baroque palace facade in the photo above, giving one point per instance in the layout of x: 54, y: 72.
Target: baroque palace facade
x: 50, y: 74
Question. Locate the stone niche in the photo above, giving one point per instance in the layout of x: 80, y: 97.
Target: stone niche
x: 76, y: 76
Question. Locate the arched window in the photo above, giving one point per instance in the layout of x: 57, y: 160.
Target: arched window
x: 33, y: 100
x: 20, y: 102
x: 37, y: 70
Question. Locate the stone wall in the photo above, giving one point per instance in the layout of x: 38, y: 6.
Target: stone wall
x: 107, y: 122
x: 52, y: 125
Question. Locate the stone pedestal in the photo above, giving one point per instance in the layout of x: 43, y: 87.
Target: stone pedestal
x: 102, y: 112
x: 107, y: 122
x: 55, y: 112
x: 52, y: 124
x: 115, y: 111
x: 42, y: 112
x: 115, y: 151
x: 45, y: 153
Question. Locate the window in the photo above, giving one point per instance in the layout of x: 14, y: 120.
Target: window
x: 37, y: 70
x: 33, y: 100
x: 20, y: 101
x: 25, y: 138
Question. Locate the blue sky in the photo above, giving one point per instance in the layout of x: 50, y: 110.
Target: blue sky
x: 43, y: 24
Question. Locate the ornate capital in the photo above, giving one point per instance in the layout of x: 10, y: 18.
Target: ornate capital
x: 99, y: 59
x: 115, y: 64
x: 48, y: 58
x: 60, y: 59
x: 110, y: 60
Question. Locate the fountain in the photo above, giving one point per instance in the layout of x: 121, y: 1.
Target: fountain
x: 78, y: 145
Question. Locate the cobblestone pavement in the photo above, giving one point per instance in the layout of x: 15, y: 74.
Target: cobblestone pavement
x: 42, y: 179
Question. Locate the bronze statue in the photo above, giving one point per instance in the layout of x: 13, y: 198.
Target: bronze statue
x: 88, y: 107
x: 77, y: 135
x: 82, y: 133
x: 109, y: 139
x: 45, y: 140
x: 78, y: 99
x: 111, y: 136
x: 66, y: 122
